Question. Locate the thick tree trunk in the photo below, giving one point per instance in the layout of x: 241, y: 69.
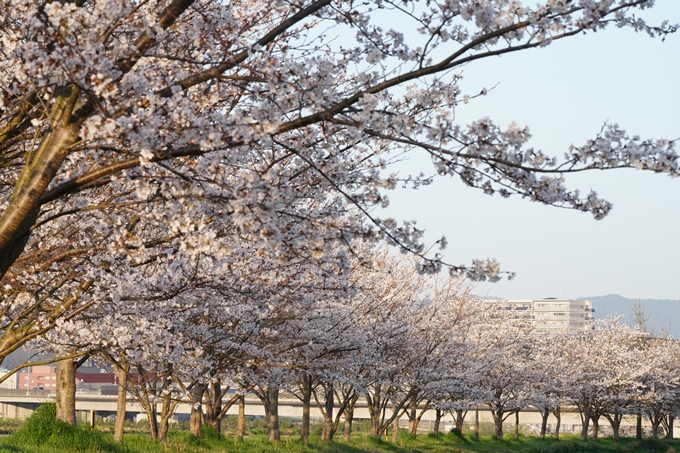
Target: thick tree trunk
x: 517, y: 425
x: 273, y: 433
x: 498, y: 424
x: 460, y: 418
x: 196, y: 417
x: 585, y: 423
x: 166, y: 412
x: 327, y: 413
x: 557, y: 412
x: 655, y: 429
x: 638, y: 427
x: 437, y: 421
x: 596, y: 427
x: 213, y: 405
x: 121, y: 405
x: 306, y: 391
x: 241, y: 423
x: 395, y: 430
x: 66, y: 391
x: 615, y: 422
x: 669, y: 427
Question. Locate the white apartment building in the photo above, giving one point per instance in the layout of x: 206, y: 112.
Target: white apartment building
x: 553, y: 315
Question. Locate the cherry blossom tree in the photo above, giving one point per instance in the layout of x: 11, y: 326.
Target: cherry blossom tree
x: 142, y: 129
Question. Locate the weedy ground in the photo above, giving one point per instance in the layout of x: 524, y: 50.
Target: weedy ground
x: 42, y: 433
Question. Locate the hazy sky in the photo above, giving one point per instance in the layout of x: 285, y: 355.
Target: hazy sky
x: 565, y: 93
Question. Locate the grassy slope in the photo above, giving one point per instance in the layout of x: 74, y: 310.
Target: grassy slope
x: 180, y: 441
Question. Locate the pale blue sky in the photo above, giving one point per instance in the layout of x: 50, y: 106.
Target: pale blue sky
x: 564, y: 93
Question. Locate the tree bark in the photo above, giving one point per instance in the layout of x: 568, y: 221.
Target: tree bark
x: 585, y: 420
x: 545, y: 413
x: 596, y: 427
x: 272, y: 412
x: 213, y: 405
x: 327, y: 412
x: 121, y: 404
x: 517, y: 424
x: 196, y: 417
x: 437, y: 421
x: 306, y: 391
x: 460, y: 418
x: 241, y: 423
x: 476, y: 424
x: 638, y: 427
x: 498, y: 423
x: 669, y: 429
x: 349, y: 417
x: 557, y: 412
x: 66, y: 391
x: 395, y: 430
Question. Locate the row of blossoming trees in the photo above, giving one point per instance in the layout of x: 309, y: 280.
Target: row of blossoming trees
x: 189, y: 190
x: 402, y: 342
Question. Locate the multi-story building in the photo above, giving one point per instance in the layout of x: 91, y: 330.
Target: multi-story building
x: 38, y: 377
x: 554, y: 315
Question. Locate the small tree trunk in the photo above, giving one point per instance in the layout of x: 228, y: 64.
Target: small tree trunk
x: 272, y: 413
x: 545, y: 413
x: 241, y: 423
x: 596, y: 427
x: 121, y: 405
x: 558, y: 415
x: 165, y: 418
x: 327, y: 412
x: 152, y: 420
x: 395, y: 430
x: 349, y: 418
x: 437, y: 421
x: 460, y: 419
x: 638, y: 427
x: 306, y: 403
x: 66, y: 391
x: 584, y: 428
x: 476, y: 424
x: 517, y: 425
x: 196, y: 417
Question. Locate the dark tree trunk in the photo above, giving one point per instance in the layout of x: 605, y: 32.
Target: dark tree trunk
x: 545, y: 413
x: 669, y: 430
x: 615, y: 419
x: 585, y: 420
x: 498, y: 423
x: 517, y: 425
x: 638, y: 427
x: 349, y: 417
x: 437, y: 421
x: 476, y: 424
x: 557, y: 412
x: 306, y: 388
x: 213, y: 405
x: 196, y: 417
x: 327, y: 412
x: 66, y: 391
x: 272, y: 413
x: 596, y: 426
x: 460, y: 418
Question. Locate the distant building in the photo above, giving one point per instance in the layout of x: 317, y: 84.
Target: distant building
x: 556, y: 315
x: 10, y: 382
x: 38, y: 377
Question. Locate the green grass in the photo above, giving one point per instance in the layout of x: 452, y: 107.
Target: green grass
x: 43, y: 434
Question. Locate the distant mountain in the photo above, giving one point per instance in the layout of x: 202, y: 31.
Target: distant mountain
x: 663, y: 315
